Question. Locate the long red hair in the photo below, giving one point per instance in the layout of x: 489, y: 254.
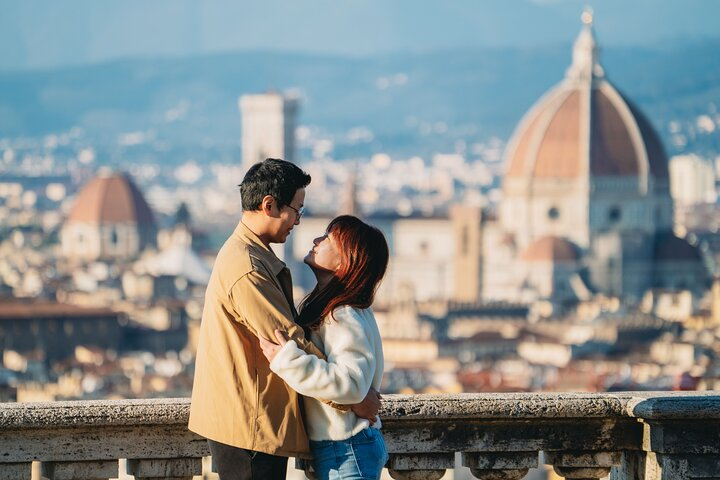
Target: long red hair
x: 364, y: 257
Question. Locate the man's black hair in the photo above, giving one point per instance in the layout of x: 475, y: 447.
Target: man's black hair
x: 274, y: 177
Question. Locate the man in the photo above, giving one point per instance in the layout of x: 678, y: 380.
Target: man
x: 252, y: 420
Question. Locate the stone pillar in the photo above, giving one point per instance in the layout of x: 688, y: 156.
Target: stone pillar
x: 166, y: 468
x: 578, y: 465
x: 681, y: 436
x: 86, y: 470
x: 419, y: 466
x: 500, y: 465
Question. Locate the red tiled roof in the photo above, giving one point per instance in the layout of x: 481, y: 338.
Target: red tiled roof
x: 111, y: 199
x: 549, y: 142
x: 15, y: 309
x: 550, y: 249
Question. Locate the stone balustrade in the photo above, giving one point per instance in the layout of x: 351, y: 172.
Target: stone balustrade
x: 644, y: 436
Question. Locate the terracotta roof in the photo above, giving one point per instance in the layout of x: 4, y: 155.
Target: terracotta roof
x: 668, y: 247
x: 550, y: 249
x: 111, y: 199
x: 558, y: 153
x: 584, y: 122
x: 612, y: 152
x: 516, y: 165
x: 550, y: 140
x: 30, y: 310
x: 656, y: 151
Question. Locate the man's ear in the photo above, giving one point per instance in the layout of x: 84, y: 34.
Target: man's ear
x: 267, y: 204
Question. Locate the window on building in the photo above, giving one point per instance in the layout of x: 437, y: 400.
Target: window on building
x: 553, y: 213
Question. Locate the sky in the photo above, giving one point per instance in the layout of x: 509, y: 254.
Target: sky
x: 45, y: 34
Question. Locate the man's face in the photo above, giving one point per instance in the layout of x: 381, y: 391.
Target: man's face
x: 289, y: 216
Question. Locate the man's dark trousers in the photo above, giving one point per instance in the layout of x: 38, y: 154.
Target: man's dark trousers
x: 234, y: 463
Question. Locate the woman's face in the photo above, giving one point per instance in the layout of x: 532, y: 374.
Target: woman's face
x: 325, y: 254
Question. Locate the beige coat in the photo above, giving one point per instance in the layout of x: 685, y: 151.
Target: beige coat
x: 236, y: 399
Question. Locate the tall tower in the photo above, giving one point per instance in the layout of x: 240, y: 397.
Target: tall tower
x: 268, y: 127
x: 348, y: 199
x: 467, y: 228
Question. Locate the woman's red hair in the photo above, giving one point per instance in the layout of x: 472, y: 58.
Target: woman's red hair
x: 364, y: 257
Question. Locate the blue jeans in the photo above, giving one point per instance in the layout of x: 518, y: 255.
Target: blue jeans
x: 360, y: 457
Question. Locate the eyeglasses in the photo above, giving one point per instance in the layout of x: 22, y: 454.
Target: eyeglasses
x: 299, y: 212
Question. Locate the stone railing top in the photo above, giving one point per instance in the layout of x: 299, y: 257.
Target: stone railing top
x: 95, y: 412
x: 504, y: 405
x: 647, y: 405
x: 675, y: 405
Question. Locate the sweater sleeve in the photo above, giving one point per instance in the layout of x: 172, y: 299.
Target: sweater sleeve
x: 346, y: 375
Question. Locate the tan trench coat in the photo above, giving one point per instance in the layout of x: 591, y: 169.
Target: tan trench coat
x: 236, y: 399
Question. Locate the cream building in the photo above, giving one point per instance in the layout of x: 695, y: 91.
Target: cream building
x: 421, y: 256
x: 692, y: 180
x: 268, y: 127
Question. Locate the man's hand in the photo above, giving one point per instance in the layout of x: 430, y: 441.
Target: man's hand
x: 369, y: 407
x: 270, y: 349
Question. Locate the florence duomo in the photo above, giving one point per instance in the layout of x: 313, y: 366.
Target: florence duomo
x: 586, y: 205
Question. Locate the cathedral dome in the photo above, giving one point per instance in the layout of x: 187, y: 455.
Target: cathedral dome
x: 584, y: 127
x: 111, y: 199
x: 550, y: 249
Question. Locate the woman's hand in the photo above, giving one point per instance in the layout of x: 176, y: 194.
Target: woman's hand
x: 270, y: 349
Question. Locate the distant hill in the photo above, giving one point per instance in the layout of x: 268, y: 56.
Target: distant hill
x: 477, y: 93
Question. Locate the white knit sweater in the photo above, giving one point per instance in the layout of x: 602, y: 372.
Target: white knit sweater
x: 354, y: 363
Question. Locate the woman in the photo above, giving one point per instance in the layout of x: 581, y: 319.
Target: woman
x: 349, y: 261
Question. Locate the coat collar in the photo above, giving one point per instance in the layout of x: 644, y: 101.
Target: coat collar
x: 265, y: 253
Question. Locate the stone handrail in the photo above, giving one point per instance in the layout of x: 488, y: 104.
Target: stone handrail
x: 634, y: 435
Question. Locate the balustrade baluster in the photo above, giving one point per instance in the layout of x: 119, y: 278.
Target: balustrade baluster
x: 165, y: 468
x: 500, y: 465
x: 417, y: 466
x: 80, y: 470
x: 583, y: 465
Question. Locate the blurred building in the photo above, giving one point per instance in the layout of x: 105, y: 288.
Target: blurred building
x: 109, y: 220
x: 421, y: 263
x: 268, y: 127
x: 56, y: 329
x: 692, y: 181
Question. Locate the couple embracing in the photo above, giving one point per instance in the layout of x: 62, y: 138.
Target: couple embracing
x: 272, y: 383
